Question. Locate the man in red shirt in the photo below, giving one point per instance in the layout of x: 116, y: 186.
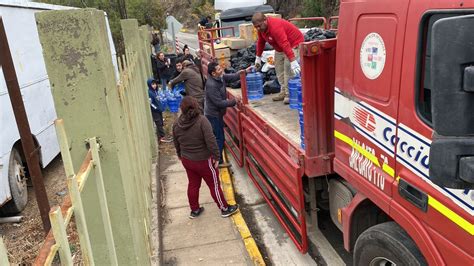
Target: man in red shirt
x: 285, y: 38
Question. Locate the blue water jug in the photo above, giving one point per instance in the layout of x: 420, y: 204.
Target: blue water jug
x: 294, y: 87
x: 254, y: 86
x: 301, y: 118
x: 300, y: 99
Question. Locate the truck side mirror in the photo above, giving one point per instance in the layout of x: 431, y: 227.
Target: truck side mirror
x: 452, y: 87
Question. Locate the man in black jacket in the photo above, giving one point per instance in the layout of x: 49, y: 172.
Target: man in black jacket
x: 217, y: 102
x: 165, y: 69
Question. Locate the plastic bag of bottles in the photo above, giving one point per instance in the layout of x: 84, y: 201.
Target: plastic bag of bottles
x: 173, y: 101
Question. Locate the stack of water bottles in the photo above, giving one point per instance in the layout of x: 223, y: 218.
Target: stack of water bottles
x: 254, y: 85
x: 171, y: 98
x: 296, y: 102
x: 177, y: 90
x: 173, y: 101
x: 162, y: 99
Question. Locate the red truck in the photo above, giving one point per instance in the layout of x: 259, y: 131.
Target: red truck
x: 388, y: 131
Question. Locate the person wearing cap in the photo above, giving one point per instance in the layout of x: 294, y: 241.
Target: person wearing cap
x: 285, y: 38
x: 193, y: 82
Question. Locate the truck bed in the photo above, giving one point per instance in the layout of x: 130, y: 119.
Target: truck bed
x: 279, y: 115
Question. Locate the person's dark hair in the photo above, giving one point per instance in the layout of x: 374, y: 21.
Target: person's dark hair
x: 179, y: 60
x: 258, y: 17
x: 190, y: 107
x: 208, y: 17
x: 212, y: 67
x: 155, y: 40
x: 185, y: 47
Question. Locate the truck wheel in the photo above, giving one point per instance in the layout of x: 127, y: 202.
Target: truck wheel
x: 18, y: 187
x: 386, y: 244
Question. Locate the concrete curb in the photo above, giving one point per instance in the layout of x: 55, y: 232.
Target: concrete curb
x: 238, y: 219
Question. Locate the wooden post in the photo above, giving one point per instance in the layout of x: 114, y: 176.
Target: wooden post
x: 74, y: 193
x: 64, y: 147
x: 103, y: 201
x: 78, y: 59
x: 80, y: 221
x: 60, y: 235
x: 3, y: 254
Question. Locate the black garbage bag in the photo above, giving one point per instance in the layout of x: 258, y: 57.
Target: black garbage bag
x: 270, y: 74
x: 329, y: 34
x: 271, y: 86
x: 245, y: 58
x: 318, y: 34
x: 235, y: 84
x: 230, y: 70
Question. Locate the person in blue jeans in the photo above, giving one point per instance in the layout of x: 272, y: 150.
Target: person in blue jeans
x: 216, y: 101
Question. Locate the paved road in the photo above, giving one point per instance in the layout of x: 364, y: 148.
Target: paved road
x: 187, y: 38
x: 207, y: 240
x: 279, y: 248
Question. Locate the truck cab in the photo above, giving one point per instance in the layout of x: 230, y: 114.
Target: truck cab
x: 403, y: 121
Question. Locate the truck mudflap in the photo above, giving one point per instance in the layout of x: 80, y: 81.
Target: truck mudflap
x: 274, y: 165
x: 233, y: 134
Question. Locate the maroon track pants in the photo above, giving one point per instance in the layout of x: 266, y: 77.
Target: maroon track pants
x: 198, y: 170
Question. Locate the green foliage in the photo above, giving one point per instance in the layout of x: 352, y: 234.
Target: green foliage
x: 145, y: 11
x: 318, y: 8
x: 312, y: 8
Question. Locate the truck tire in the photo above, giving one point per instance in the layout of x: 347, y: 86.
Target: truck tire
x: 18, y: 186
x: 386, y: 244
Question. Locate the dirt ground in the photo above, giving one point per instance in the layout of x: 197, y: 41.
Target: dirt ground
x: 23, y: 240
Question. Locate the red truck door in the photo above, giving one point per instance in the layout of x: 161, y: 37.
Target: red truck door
x: 368, y: 70
x: 441, y: 214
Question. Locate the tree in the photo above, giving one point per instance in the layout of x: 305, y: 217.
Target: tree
x: 145, y: 11
x: 305, y: 8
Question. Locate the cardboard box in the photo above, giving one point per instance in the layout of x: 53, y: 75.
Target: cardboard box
x: 224, y: 62
x: 221, y: 50
x: 220, y: 45
x: 250, y: 42
x: 248, y: 32
x: 235, y: 43
x: 222, y: 53
x: 273, y: 15
x: 207, y: 48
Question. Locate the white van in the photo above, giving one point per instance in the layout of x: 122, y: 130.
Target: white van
x: 233, y: 17
x: 223, y: 5
x: 20, y: 25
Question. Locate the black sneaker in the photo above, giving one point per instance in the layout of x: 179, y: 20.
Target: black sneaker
x: 231, y: 209
x: 195, y: 214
